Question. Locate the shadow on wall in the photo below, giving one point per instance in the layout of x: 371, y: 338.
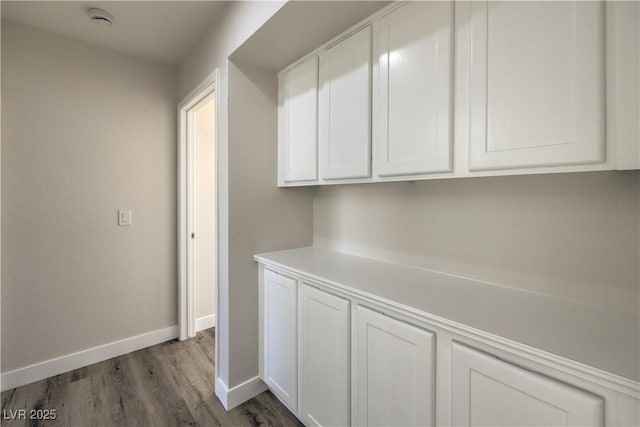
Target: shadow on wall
x: 262, y: 217
x: 572, y: 235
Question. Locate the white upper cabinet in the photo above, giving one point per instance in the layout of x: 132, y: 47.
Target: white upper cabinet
x: 298, y: 123
x: 395, y: 378
x: 439, y: 89
x: 345, y: 108
x: 623, y: 81
x: 413, y: 86
x: 537, y: 78
x: 324, y: 337
x: 491, y: 392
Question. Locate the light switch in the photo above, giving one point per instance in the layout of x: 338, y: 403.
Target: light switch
x: 124, y: 217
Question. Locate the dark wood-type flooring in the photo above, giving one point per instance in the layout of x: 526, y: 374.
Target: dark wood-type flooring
x: 170, y: 384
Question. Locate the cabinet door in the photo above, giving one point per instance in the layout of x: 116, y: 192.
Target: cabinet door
x: 395, y: 372
x: 279, y: 334
x: 536, y: 84
x: 345, y: 108
x: 298, y: 121
x: 491, y: 392
x: 413, y: 89
x: 324, y: 358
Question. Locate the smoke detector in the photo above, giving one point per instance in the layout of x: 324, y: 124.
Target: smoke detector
x: 100, y: 17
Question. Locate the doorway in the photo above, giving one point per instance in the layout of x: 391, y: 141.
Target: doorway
x: 198, y: 210
x: 203, y: 233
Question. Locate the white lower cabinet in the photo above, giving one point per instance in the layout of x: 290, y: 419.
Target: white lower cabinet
x: 491, y: 392
x: 324, y: 324
x: 336, y: 362
x: 395, y: 381
x: 279, y: 313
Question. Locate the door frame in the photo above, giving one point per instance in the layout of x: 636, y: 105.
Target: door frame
x: 186, y: 205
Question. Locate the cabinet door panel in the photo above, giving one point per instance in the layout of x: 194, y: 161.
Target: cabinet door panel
x: 395, y: 372
x: 537, y: 84
x: 298, y: 137
x: 491, y: 392
x: 324, y: 358
x: 345, y: 108
x: 413, y: 89
x: 280, y: 360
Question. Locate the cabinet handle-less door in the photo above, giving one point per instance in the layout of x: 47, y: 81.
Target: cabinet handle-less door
x: 298, y: 122
x: 536, y: 84
x: 491, y: 392
x: 395, y: 372
x: 324, y: 358
x: 345, y: 108
x: 413, y: 47
x: 279, y: 323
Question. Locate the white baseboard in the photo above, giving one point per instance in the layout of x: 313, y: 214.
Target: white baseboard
x: 237, y: 395
x: 222, y: 392
x: 59, y: 365
x: 205, y: 322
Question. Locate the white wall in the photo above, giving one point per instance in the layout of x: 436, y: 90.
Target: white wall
x: 574, y: 235
x: 205, y: 209
x: 85, y: 131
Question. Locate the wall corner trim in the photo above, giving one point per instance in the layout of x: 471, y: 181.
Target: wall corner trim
x: 59, y: 365
x: 237, y: 395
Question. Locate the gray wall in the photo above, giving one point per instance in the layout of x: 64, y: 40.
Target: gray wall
x: 262, y: 217
x: 0, y: 207
x: 233, y: 26
x: 85, y: 131
x: 573, y: 235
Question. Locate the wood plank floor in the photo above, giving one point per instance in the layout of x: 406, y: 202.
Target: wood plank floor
x: 170, y: 384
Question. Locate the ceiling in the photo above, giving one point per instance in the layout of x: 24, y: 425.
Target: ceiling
x: 300, y: 27
x: 160, y: 31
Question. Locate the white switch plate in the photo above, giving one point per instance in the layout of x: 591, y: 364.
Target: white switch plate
x: 124, y: 217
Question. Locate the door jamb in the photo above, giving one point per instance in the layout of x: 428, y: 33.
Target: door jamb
x: 186, y: 208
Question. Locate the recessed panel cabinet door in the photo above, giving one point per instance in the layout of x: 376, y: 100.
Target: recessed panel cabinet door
x: 279, y: 323
x: 298, y: 116
x: 324, y: 358
x: 413, y: 46
x: 536, y: 84
x: 345, y: 108
x: 490, y: 392
x: 395, y: 372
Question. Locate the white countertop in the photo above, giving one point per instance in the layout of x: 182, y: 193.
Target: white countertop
x: 596, y: 336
